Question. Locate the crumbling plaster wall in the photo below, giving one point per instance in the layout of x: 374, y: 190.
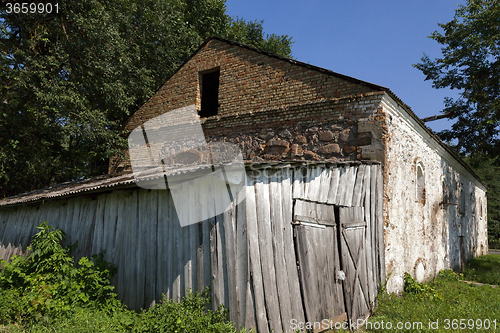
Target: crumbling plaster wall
x: 444, y: 229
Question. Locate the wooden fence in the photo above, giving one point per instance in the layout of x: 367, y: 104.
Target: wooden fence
x: 278, y: 255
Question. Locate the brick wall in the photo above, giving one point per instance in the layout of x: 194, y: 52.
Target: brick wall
x: 272, y: 108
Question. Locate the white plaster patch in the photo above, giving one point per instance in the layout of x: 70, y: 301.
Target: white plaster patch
x: 420, y: 272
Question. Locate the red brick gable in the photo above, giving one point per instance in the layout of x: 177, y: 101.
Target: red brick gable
x: 250, y: 80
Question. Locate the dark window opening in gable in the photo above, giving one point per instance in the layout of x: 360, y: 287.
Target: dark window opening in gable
x: 209, y: 82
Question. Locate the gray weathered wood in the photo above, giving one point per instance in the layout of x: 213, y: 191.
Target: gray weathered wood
x: 334, y: 184
x: 372, y: 281
x: 308, y: 272
x: 230, y: 245
x: 298, y: 184
x: 277, y: 222
x: 324, y: 188
x: 290, y: 258
x: 254, y: 250
x: 358, y: 187
x: 313, y: 183
x: 266, y: 252
x: 380, y: 225
x: 353, y: 261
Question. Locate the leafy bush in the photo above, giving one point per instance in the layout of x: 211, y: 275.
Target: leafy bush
x: 423, y: 290
x: 190, y: 315
x: 46, y: 284
x: 46, y: 292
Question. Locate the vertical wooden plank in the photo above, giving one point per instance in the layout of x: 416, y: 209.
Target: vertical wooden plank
x: 151, y: 230
x: 325, y: 180
x: 162, y: 258
x: 73, y: 219
x: 290, y: 258
x: 27, y: 226
x: 17, y: 235
x: 86, y: 229
x: 207, y: 229
x: 298, y: 184
x: 333, y: 258
x: 230, y: 245
x: 170, y: 247
x: 99, y: 224
x: 186, y: 250
x: 222, y: 274
x: 266, y: 252
x: 380, y: 224
x: 277, y: 227
x: 215, y: 271
x: 358, y: 187
x: 334, y: 184
x: 349, y: 185
x: 177, y: 266
x: 122, y: 244
x: 242, y: 260
x: 200, y: 279
x: 108, y: 226
x: 7, y: 217
x: 313, y: 183
x: 250, y: 319
x: 141, y: 246
x: 367, y: 199
x: 341, y: 188
x: 133, y: 255
x: 308, y: 272
x: 254, y: 250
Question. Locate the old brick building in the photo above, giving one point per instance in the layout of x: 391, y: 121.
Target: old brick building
x: 356, y: 184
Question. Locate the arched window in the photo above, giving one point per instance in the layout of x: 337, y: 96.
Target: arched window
x: 420, y: 184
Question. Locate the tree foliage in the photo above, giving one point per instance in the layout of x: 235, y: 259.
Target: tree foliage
x: 69, y: 79
x: 470, y: 63
x: 488, y: 169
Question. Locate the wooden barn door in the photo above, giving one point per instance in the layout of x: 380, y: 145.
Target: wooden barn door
x: 353, y: 259
x: 316, y: 245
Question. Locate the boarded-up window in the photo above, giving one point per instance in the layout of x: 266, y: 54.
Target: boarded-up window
x: 420, y: 184
x: 209, y: 88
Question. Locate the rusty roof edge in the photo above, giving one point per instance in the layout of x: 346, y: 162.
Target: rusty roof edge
x: 434, y: 136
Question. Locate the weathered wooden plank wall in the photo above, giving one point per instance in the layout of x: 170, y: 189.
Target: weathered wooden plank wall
x: 246, y: 255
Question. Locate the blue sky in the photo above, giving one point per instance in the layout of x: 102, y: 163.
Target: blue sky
x: 375, y: 41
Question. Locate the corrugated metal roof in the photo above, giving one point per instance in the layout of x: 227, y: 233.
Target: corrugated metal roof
x: 95, y: 184
x: 108, y: 182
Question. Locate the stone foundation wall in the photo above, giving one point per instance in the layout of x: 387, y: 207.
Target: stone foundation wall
x: 344, y: 129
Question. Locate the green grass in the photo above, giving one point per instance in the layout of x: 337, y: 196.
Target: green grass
x: 485, y: 269
x: 444, y: 298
